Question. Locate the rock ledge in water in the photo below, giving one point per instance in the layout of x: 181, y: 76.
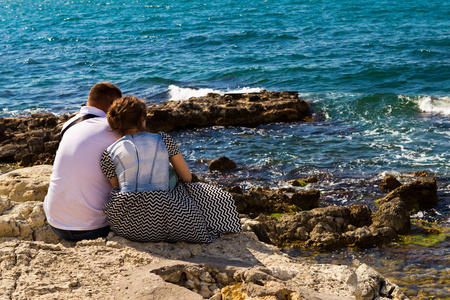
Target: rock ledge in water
x: 250, y: 110
x: 34, y: 140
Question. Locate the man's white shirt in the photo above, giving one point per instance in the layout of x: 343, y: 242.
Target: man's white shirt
x: 78, y: 189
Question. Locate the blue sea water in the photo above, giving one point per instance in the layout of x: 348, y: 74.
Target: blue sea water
x: 378, y: 71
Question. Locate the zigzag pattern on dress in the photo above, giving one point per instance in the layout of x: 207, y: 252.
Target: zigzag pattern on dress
x: 217, y: 206
x: 155, y: 216
x: 192, y: 212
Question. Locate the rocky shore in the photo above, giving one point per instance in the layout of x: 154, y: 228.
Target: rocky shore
x: 36, y: 264
x: 34, y: 139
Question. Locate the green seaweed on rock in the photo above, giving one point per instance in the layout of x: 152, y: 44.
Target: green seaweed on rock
x: 299, y: 182
x: 425, y: 234
x: 277, y: 216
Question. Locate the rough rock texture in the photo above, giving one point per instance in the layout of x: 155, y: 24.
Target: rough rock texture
x: 389, y: 183
x: 34, y: 140
x: 372, y: 285
x: 394, y: 215
x: 263, y: 199
x: 24, y: 220
x: 30, y: 140
x: 319, y: 228
x: 222, y: 163
x: 27, y: 184
x: 360, y: 215
x: 36, y: 264
x: 229, y: 110
x: 416, y: 195
x: 115, y: 268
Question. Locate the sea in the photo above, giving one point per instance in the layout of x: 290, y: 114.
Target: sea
x: 376, y: 72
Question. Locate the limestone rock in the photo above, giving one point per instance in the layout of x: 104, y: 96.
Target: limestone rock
x: 263, y: 199
x: 360, y: 215
x: 389, y: 183
x: 5, y: 204
x: 222, y: 163
x: 372, y: 285
x: 22, y: 220
x: 228, y: 110
x: 27, y: 184
x: 416, y: 195
x: 115, y: 268
x: 393, y: 214
x: 305, y: 199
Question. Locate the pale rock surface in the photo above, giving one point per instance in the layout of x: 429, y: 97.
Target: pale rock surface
x: 27, y: 184
x: 236, y: 265
x: 36, y: 264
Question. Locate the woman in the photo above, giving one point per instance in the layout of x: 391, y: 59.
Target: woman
x: 142, y: 207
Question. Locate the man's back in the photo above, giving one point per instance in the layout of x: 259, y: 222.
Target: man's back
x: 78, y: 190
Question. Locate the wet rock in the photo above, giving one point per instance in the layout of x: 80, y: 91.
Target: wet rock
x: 394, y: 215
x: 261, y: 199
x: 367, y: 237
x: 305, y: 199
x: 222, y: 163
x: 360, y: 215
x: 265, y: 200
x: 328, y: 228
x: 229, y: 110
x: 416, y: 195
x: 236, y: 190
x: 325, y: 241
x: 389, y: 183
x: 303, y: 181
x: 27, y: 184
x: 422, y: 173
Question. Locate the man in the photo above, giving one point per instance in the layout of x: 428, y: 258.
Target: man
x: 78, y: 189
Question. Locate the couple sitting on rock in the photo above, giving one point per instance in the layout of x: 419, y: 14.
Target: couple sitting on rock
x: 110, y: 174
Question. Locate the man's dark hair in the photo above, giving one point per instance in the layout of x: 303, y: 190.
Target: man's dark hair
x: 103, y: 93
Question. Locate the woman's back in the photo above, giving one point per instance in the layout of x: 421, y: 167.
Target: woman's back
x: 141, y: 161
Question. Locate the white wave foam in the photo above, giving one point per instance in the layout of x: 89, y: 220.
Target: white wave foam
x: 179, y: 93
x: 435, y: 105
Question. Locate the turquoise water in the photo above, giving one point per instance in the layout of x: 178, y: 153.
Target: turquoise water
x: 377, y: 71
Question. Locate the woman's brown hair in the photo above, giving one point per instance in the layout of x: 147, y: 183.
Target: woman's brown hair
x: 127, y: 113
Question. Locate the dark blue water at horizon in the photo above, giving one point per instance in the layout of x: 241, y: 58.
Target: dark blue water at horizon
x: 378, y: 71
